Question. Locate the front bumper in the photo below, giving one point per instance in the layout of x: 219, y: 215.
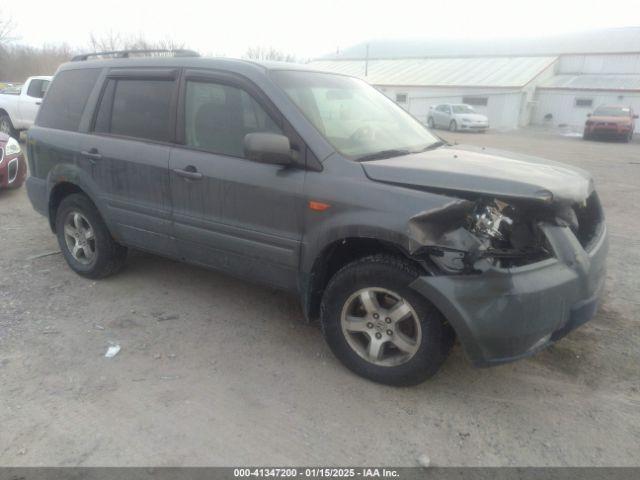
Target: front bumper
x: 474, y: 126
x: 609, y: 130
x: 502, y: 315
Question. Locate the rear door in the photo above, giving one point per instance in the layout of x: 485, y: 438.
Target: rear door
x: 231, y: 213
x: 128, y: 153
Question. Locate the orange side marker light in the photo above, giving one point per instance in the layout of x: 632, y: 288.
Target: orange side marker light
x: 318, y: 206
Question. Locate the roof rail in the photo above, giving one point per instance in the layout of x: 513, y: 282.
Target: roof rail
x: 126, y: 53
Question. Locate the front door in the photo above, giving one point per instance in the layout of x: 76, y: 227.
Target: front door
x: 231, y: 213
x: 127, y: 153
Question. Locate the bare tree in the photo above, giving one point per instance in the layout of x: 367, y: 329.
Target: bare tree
x: 268, y: 53
x: 112, y: 41
x: 17, y: 62
x: 6, y: 27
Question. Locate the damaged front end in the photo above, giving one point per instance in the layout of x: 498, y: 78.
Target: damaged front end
x: 472, y: 236
x: 512, y: 276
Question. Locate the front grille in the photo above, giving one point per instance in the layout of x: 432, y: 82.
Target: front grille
x: 590, y: 219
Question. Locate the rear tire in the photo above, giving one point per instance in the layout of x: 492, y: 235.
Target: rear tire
x: 423, y: 336
x: 6, y: 126
x: 453, y: 126
x: 84, y: 239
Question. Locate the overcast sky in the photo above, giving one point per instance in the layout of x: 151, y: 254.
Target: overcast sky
x: 305, y: 28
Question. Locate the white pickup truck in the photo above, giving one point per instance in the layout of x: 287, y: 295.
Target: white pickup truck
x: 19, y: 106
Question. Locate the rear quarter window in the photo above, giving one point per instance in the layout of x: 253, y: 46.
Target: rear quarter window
x: 66, y: 98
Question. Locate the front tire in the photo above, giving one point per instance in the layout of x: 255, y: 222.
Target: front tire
x: 6, y: 126
x: 379, y: 327
x: 453, y: 126
x: 431, y: 124
x: 84, y: 239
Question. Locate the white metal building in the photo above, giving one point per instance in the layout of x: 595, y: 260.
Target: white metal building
x: 552, y: 81
x: 582, y: 83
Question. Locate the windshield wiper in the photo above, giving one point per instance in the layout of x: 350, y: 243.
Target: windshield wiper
x: 394, y: 152
x: 434, y: 145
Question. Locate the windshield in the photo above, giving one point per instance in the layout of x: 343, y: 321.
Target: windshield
x: 612, y: 112
x: 462, y: 109
x: 354, y: 117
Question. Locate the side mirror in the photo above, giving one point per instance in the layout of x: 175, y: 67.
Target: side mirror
x: 271, y: 148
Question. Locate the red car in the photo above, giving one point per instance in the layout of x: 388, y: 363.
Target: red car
x: 13, y: 167
x: 610, y: 121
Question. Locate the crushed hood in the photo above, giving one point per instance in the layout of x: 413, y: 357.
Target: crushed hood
x: 496, y: 173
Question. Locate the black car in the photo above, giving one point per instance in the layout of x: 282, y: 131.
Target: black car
x: 318, y: 184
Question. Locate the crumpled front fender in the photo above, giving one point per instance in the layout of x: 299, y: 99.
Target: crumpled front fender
x: 504, y: 314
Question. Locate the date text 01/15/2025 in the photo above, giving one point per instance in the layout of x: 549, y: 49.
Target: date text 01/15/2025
x: 315, y: 472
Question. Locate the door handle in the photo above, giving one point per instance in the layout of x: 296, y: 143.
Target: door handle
x: 92, y: 154
x: 189, y: 172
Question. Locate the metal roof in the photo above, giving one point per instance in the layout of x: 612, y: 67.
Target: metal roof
x: 499, y: 72
x: 613, y: 40
x: 593, y: 82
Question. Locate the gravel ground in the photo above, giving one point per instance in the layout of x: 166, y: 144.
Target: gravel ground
x: 216, y: 371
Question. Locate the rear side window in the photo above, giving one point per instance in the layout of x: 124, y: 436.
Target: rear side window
x: 136, y: 108
x: 66, y: 99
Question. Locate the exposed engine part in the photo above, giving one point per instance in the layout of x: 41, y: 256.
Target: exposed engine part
x: 489, y: 220
x: 493, y: 234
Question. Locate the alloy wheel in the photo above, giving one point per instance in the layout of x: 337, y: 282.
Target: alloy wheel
x: 79, y: 237
x: 4, y: 126
x: 381, y: 326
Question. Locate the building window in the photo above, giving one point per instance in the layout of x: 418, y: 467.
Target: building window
x: 401, y: 97
x: 478, y: 101
x: 584, y: 102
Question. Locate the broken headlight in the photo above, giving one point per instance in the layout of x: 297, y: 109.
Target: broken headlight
x: 493, y: 233
x: 508, y: 237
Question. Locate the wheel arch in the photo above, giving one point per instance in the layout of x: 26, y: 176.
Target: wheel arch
x: 65, y: 179
x: 59, y: 192
x: 6, y: 112
x: 334, y: 256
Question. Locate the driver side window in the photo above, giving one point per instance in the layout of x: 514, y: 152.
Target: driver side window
x: 218, y: 116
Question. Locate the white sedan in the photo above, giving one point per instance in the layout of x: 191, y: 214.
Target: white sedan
x: 457, y: 116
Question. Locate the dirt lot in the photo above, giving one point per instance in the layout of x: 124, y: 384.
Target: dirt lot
x: 214, y: 371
